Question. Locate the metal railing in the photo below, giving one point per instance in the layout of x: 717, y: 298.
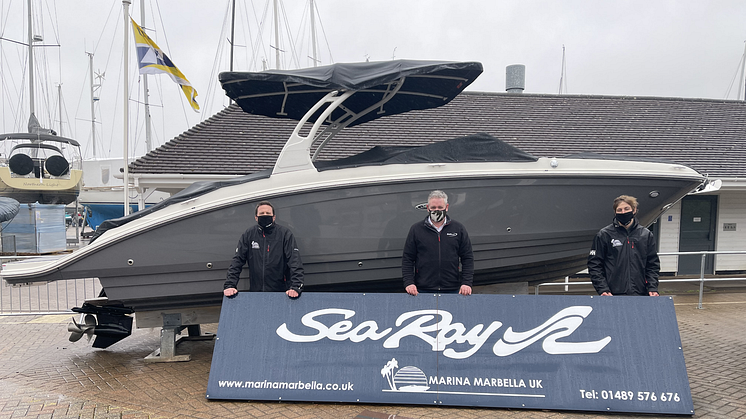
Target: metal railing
x: 701, y: 278
x: 5, y: 248
x: 45, y: 298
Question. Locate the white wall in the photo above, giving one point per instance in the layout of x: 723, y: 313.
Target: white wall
x: 731, y: 209
x: 669, y: 238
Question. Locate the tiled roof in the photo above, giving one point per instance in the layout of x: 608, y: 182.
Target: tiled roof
x: 707, y: 135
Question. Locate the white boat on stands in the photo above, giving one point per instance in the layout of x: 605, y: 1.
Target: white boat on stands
x: 39, y: 166
x: 530, y: 219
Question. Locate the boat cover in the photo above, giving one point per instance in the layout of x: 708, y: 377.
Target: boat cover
x: 9, y: 208
x: 479, y: 147
x: 291, y: 93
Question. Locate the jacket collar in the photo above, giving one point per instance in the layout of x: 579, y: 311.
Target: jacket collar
x: 268, y: 230
x: 632, y: 227
x: 427, y: 221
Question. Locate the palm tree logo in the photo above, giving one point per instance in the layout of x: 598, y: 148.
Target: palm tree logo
x: 407, y: 379
x: 388, y: 372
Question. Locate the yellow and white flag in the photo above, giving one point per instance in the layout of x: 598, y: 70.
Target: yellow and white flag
x: 153, y: 61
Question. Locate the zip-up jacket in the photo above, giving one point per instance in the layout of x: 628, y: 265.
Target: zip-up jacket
x: 624, y: 262
x: 273, y: 258
x: 431, y: 259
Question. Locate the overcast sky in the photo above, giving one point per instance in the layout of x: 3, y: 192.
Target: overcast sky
x: 682, y: 48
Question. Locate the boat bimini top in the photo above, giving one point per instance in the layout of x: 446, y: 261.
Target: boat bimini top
x: 369, y: 91
x: 342, y: 95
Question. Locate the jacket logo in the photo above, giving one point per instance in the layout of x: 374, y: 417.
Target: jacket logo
x: 616, y: 243
x: 451, y: 234
x: 254, y: 245
x: 593, y: 253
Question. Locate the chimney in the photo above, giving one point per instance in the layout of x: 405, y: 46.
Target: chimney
x: 515, y: 78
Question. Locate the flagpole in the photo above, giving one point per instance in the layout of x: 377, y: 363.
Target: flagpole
x: 146, y: 93
x: 125, y: 139
x: 277, y: 38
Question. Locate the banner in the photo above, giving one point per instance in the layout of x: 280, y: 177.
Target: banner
x: 609, y: 354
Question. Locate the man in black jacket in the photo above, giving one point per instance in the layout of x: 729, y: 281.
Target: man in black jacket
x: 434, y: 247
x: 272, y: 255
x: 623, y: 259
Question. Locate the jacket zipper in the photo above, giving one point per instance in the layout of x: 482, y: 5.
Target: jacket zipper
x: 264, y: 259
x: 440, y: 263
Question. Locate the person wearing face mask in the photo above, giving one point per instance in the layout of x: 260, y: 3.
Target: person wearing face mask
x: 623, y: 259
x: 272, y: 255
x: 433, y: 250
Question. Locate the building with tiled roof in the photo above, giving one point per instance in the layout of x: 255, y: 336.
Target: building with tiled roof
x: 707, y: 135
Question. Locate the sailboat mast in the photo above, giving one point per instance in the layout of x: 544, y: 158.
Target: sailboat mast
x: 741, y: 82
x: 313, y: 35
x: 93, y: 112
x: 277, y: 37
x: 563, y: 83
x: 59, y: 98
x: 125, y: 139
x: 148, y: 143
x: 30, y: 59
x: 233, y: 31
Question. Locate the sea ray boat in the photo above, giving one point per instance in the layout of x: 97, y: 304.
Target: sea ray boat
x: 530, y: 219
x: 40, y: 166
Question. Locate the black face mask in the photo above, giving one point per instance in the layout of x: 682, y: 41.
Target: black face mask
x: 437, y: 216
x: 625, y: 217
x: 265, y: 221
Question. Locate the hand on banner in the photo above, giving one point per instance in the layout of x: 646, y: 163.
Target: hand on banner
x: 292, y: 293
x: 230, y: 292
x: 411, y: 289
x: 465, y: 290
x: 654, y: 294
x: 606, y: 294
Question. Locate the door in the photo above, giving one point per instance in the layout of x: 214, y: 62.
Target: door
x: 698, y: 221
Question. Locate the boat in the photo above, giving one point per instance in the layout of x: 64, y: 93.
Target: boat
x: 9, y: 208
x: 40, y: 166
x: 530, y: 219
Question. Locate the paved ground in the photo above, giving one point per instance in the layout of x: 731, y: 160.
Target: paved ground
x: 42, y: 375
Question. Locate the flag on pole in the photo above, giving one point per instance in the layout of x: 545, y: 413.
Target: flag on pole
x: 152, y: 60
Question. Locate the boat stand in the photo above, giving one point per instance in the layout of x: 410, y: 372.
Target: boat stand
x: 173, y: 322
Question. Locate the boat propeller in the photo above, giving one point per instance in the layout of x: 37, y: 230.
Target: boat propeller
x: 109, y: 324
x: 86, y: 327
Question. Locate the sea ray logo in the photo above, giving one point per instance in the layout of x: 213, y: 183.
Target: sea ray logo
x: 407, y: 379
x: 560, y: 325
x: 451, y: 234
x: 437, y: 328
x: 615, y: 243
x: 254, y: 245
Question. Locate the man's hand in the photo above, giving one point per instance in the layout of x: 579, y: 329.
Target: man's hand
x: 606, y: 294
x: 465, y: 290
x: 654, y: 294
x: 292, y: 293
x: 230, y: 292
x: 411, y: 289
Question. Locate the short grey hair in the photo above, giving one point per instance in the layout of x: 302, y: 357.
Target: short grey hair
x: 438, y: 194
